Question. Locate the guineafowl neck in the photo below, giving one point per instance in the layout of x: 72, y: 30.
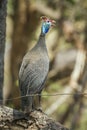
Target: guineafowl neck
x: 41, y: 42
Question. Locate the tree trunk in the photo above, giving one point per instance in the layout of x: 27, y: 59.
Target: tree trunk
x: 2, y: 43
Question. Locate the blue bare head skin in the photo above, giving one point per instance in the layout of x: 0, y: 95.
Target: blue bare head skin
x: 46, y: 24
x: 45, y: 27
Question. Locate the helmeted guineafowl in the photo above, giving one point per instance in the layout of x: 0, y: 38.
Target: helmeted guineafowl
x: 34, y: 68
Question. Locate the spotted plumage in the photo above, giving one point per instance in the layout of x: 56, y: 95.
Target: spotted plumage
x: 34, y: 69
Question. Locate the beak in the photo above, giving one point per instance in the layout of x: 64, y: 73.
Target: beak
x: 53, y: 23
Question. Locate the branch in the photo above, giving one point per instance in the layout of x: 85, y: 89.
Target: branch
x: 14, y: 119
x: 73, y: 85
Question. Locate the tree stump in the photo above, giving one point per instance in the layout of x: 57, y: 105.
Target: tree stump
x: 11, y: 119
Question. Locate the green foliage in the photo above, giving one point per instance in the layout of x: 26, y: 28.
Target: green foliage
x: 17, y: 83
x: 55, y: 87
x: 71, y: 1
x: 44, y: 93
x: 83, y: 121
x: 62, y: 109
x: 10, y: 9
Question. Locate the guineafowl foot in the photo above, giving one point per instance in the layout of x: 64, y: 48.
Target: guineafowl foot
x: 27, y: 111
x: 39, y: 109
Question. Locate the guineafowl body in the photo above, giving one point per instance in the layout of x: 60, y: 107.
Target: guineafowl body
x: 33, y: 71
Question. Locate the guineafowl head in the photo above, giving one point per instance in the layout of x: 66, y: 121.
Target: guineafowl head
x: 47, y: 23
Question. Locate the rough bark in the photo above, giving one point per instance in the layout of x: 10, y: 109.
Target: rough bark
x: 2, y: 43
x: 15, y: 120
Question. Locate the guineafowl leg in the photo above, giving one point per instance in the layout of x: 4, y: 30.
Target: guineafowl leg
x: 28, y: 105
x: 39, y: 98
x: 39, y: 102
x: 33, y: 103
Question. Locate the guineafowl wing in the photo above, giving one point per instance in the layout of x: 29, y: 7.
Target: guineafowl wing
x: 33, y: 74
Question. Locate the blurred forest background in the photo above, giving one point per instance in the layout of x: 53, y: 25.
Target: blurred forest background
x: 66, y: 85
